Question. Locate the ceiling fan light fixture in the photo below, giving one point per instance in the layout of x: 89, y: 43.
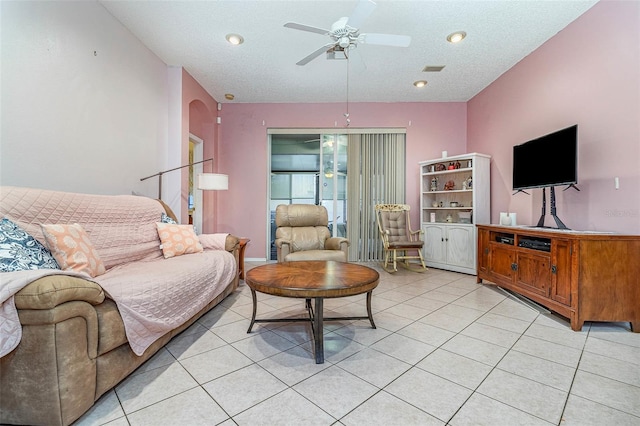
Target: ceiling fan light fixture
x: 345, y: 34
x: 344, y: 42
x: 420, y: 83
x: 456, y: 37
x: 234, y: 39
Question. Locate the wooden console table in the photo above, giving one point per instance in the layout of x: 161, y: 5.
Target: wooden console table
x: 584, y: 276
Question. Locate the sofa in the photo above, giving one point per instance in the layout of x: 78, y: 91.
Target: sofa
x: 82, y: 331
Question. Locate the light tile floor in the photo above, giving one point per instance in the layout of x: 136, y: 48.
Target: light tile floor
x: 446, y: 351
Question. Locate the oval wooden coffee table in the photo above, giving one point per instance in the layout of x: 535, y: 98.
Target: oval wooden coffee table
x: 316, y: 280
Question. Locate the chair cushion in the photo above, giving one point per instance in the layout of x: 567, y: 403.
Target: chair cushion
x: 336, y: 255
x: 395, y: 223
x: 304, y: 237
x: 405, y: 244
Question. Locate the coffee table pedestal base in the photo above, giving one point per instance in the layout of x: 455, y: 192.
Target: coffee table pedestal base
x: 316, y: 319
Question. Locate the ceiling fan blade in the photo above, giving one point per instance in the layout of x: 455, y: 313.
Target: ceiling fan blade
x: 308, y: 28
x: 385, y: 39
x: 361, y: 13
x: 315, y: 54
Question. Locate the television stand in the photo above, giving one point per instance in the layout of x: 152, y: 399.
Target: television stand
x: 569, y: 272
x: 572, y: 186
x: 553, y: 209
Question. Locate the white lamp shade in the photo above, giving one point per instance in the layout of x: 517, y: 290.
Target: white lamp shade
x: 213, y: 181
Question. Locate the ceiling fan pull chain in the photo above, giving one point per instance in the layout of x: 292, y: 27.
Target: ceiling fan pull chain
x: 347, y: 113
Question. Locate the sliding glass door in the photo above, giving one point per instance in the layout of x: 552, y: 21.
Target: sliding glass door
x: 347, y: 174
x: 333, y: 188
x: 309, y: 169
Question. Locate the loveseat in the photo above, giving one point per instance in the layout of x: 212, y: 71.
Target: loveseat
x: 83, y: 334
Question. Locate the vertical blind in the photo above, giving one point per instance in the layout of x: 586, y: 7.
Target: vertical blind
x: 376, y: 164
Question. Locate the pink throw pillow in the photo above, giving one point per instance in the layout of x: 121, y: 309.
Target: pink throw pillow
x: 178, y: 239
x: 72, y: 249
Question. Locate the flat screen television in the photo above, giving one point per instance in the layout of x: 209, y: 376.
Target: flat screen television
x: 550, y: 160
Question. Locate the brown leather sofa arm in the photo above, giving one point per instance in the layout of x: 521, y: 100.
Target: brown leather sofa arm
x: 73, y: 309
x: 54, y: 365
x: 232, y: 243
x: 53, y: 290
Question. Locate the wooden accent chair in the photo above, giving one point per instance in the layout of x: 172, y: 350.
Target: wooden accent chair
x: 302, y: 233
x: 398, y: 238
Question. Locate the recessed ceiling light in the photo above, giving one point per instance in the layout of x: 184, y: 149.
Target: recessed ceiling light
x: 235, y: 39
x: 456, y: 37
x: 229, y: 97
x: 420, y: 83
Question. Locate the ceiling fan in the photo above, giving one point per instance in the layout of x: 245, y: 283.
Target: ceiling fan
x: 345, y: 33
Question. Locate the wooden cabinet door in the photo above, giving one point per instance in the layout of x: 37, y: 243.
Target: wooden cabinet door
x: 434, y: 243
x: 501, y: 262
x: 460, y: 246
x: 534, y: 273
x: 561, y: 271
x: 483, y: 251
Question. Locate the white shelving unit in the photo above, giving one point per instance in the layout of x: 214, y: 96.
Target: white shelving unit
x: 448, y: 216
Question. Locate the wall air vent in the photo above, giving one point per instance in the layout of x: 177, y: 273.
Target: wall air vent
x: 433, y: 68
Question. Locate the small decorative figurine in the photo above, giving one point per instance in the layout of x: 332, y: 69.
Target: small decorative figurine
x: 449, y: 185
x: 457, y: 165
x: 440, y: 167
x: 434, y: 183
x: 466, y: 184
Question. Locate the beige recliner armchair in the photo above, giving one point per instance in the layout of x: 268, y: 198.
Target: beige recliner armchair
x: 302, y: 233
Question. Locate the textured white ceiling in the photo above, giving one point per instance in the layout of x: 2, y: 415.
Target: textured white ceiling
x: 191, y: 34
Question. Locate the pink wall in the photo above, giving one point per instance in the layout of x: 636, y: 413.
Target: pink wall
x: 431, y: 128
x: 199, y: 112
x: 588, y: 74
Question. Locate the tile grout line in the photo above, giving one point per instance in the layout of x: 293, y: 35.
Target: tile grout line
x: 492, y: 370
x: 397, y: 286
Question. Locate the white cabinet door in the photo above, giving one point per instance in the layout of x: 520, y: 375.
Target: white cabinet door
x: 434, y: 243
x: 460, y: 246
